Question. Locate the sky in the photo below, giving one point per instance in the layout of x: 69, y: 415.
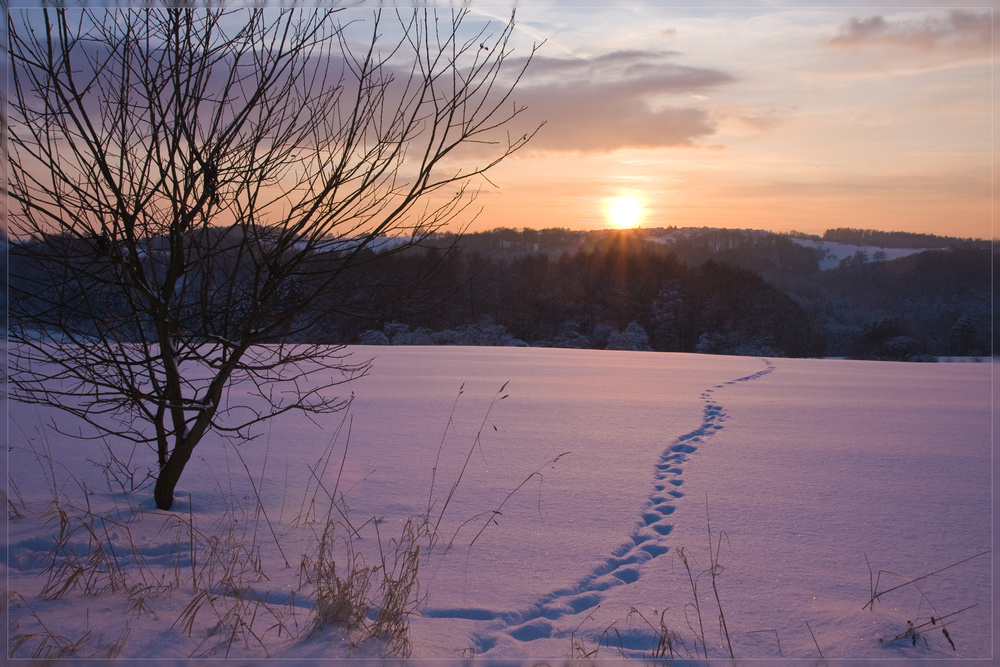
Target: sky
x: 779, y: 116
x: 767, y: 114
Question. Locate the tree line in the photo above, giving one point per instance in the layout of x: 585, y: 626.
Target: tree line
x: 882, y: 239
x: 717, y: 291
x: 713, y: 291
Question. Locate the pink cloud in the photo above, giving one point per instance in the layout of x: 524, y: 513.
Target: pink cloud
x: 958, y: 30
x: 617, y: 100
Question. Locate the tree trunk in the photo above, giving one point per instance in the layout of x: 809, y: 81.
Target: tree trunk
x: 163, y: 492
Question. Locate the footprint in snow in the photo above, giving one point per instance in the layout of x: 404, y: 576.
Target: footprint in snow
x: 624, y: 566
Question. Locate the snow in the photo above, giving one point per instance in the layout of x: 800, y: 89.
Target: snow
x: 834, y: 253
x: 804, y: 468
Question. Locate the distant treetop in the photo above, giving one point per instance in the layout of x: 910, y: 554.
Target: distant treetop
x: 872, y: 237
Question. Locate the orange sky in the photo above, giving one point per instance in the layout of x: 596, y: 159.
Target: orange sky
x: 787, y: 118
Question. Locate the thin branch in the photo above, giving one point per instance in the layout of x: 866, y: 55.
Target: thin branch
x: 876, y: 595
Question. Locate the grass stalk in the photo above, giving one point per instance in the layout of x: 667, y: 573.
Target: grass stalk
x: 776, y: 638
x: 714, y: 570
x: 260, y: 507
x: 477, y: 442
x: 682, y: 555
x: 876, y: 594
x: 496, y: 512
x: 818, y: 649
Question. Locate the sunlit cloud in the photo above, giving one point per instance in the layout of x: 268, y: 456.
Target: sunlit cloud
x: 803, y: 118
x: 960, y: 30
x: 623, y: 99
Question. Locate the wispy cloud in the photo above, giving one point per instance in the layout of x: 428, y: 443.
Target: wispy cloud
x: 618, y: 100
x: 960, y: 30
x: 877, y: 116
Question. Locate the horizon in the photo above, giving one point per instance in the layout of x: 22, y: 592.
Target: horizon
x: 795, y: 233
x: 781, y: 119
x: 784, y: 119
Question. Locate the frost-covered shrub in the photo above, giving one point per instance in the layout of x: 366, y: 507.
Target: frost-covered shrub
x: 633, y: 338
x: 570, y: 337
x: 601, y: 333
x: 886, y: 339
x: 483, y: 333
x: 419, y: 336
x: 393, y: 329
x: 708, y: 343
x: 971, y: 334
x: 749, y: 350
x: 901, y: 347
x: 372, y: 337
x: 450, y: 337
x: 735, y: 343
x: 398, y: 333
x: 840, y: 338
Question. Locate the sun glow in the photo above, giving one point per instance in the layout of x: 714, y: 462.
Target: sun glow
x: 624, y: 212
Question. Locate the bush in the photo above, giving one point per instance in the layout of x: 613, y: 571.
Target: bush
x: 634, y: 338
x: 372, y: 337
x: 570, y: 337
x: 483, y: 333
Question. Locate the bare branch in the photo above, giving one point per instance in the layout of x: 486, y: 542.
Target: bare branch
x: 194, y: 191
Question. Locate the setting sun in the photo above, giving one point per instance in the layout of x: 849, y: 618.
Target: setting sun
x: 624, y: 212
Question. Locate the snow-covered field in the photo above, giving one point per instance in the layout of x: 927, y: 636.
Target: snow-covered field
x: 812, y: 476
x: 835, y: 253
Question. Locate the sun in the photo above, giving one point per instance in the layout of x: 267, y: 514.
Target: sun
x: 624, y: 212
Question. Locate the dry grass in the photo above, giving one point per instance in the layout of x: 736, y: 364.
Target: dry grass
x: 208, y: 577
x: 913, y: 632
x: 42, y: 643
x: 669, y: 643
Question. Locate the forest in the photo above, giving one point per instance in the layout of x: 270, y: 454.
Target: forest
x: 696, y: 290
x: 717, y: 291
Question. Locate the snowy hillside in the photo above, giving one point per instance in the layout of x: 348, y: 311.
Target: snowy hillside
x: 835, y: 253
x: 831, y: 252
x: 810, y: 476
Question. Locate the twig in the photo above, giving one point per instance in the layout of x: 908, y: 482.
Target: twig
x: 815, y: 642
x: 697, y: 606
x: 876, y: 595
x: 494, y: 513
x: 934, y: 621
x: 713, y: 559
x: 437, y: 459
x: 192, y: 545
x: 752, y: 632
x: 477, y: 441
x: 871, y: 582
x: 260, y: 506
x: 323, y: 460
x: 572, y: 637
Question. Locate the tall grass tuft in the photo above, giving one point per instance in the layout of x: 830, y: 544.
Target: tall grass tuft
x: 343, y: 582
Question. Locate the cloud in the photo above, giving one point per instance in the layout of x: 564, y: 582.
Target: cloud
x: 758, y: 122
x: 959, y: 30
x: 617, y: 100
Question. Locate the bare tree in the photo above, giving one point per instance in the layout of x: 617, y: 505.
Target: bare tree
x: 191, y: 190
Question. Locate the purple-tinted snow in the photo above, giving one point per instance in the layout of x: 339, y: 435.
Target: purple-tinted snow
x: 805, y: 467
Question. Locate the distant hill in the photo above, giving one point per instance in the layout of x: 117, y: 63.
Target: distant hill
x: 735, y: 291
x: 872, y: 237
x: 698, y: 243
x: 833, y: 253
x: 723, y: 291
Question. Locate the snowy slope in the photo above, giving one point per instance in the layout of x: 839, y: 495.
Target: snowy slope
x: 805, y: 468
x: 834, y: 253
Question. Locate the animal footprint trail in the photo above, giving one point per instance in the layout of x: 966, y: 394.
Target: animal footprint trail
x: 623, y: 566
